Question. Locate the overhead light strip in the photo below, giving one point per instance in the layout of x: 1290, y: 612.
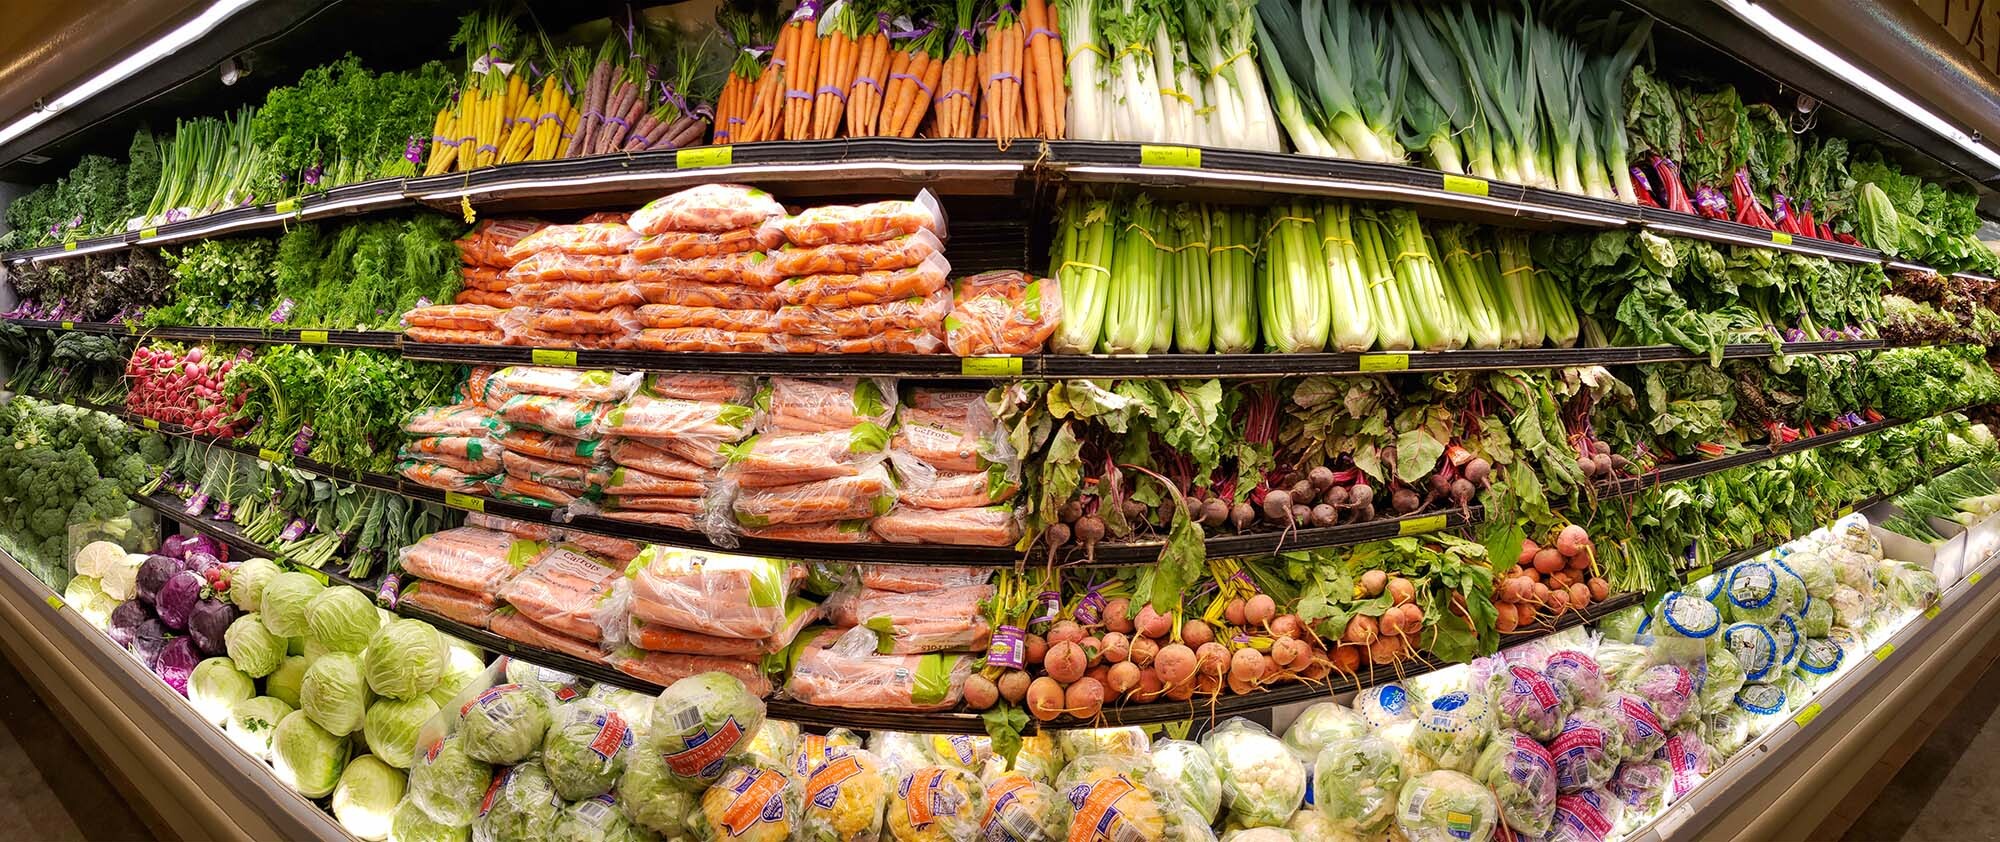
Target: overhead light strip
x: 1798, y: 42
x: 182, y: 36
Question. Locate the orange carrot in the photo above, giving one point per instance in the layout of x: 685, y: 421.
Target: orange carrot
x: 933, y: 74
x: 769, y: 93
x: 865, y: 91
x: 1056, y: 62
x: 799, y: 89
x: 901, y: 86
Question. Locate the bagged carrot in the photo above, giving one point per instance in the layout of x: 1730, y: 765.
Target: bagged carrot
x: 475, y: 560
x: 700, y: 339
x: 838, y: 403
x: 633, y: 453
x: 830, y: 292
x: 562, y: 475
x: 559, y: 295
x: 461, y: 420
x: 674, y: 316
x: 778, y: 459
x: 488, y: 243
x: 484, y: 279
x: 465, y: 454
x: 555, y: 266
x: 684, y: 245
x: 833, y: 532
x: 592, y: 385
x: 953, y: 490
x: 709, y: 208
x: 562, y: 416
x: 869, y: 223
x: 441, y: 336
x: 1003, y: 312
x: 745, y: 269
x: 631, y: 482
x: 715, y: 388
x: 517, y: 528
x: 654, y: 503
x: 694, y: 294
x: 853, y: 258
x: 432, y: 475
x: 666, y: 520
x: 870, y: 493
x: 459, y: 606
x: 924, y: 314
x: 590, y: 238
x: 528, y: 492
x: 993, y: 526
x: 652, y: 417
x: 567, y: 592
x: 489, y: 298
x: 898, y: 342
x: 552, y: 447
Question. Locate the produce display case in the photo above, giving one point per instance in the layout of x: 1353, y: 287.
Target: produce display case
x: 600, y: 484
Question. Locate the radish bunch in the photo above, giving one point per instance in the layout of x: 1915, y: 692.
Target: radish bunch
x: 182, y: 388
x: 1553, y: 578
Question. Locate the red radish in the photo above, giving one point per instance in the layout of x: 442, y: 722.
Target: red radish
x: 1045, y: 698
x: 980, y: 692
x: 1013, y: 686
x: 1065, y: 662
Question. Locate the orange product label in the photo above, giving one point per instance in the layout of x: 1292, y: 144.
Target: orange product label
x: 759, y: 798
x: 1098, y: 817
x: 705, y: 751
x: 812, y: 750
x: 823, y: 788
x: 1003, y: 795
x: 927, y: 798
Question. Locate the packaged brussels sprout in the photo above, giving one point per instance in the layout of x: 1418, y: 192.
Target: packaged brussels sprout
x: 1121, y: 742
x: 1188, y: 769
x: 1639, y: 730
x: 1682, y: 623
x: 1644, y: 787
x: 1586, y: 816
x: 1356, y: 781
x: 1754, y: 596
x: 1319, y: 724
x: 845, y: 795
x: 1587, y: 751
x: 504, y: 724
x: 1762, y: 704
x: 749, y: 802
x: 522, y: 806
x: 1670, y: 688
x: 701, y: 722
x: 1578, y: 673
x: 1622, y: 625
x: 1263, y: 782
x: 936, y: 804
x: 585, y: 748
x: 1446, y: 806
x: 774, y: 744
x: 1523, y: 699
x: 1522, y: 776
x: 1385, y: 704
x: 1452, y: 730
x: 447, y: 784
x: 412, y: 824
x: 1688, y: 759
x: 1718, y: 688
x: 595, y: 819
x: 1022, y: 809
x: 1785, y: 634
x: 652, y: 799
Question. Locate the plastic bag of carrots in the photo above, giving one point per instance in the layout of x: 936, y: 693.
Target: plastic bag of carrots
x: 517, y: 528
x: 484, y: 279
x: 837, y: 403
x: 590, y: 238
x: 854, y: 258
x: 835, y: 668
x: 898, y: 342
x: 665, y: 668
x: 508, y: 622
x: 870, y: 493
x: 676, y: 316
x: 676, y: 339
x: 833, y: 532
x: 829, y: 292
x: 633, y: 453
x: 568, y: 296
x: 440, y: 477
x: 951, y: 489
x: 459, y: 606
x: 469, y: 317
x: 616, y: 321
x: 588, y: 384
x: 555, y: 267
x: 553, y: 447
x: 690, y: 294
x: 1003, y: 312
x: 470, y: 559
x: 444, y: 336
x: 563, y: 475
x: 527, y: 492
x: 456, y: 420
x: 488, y: 243
x: 466, y: 454
x: 950, y: 435
x: 921, y: 314
x: 573, y: 417
x: 653, y: 417
x: 873, y: 222
x: 687, y: 245
x: 750, y: 268
x: 707, y: 208
x: 624, y: 482
x: 779, y: 459
x: 992, y: 526
x: 568, y: 592
x: 666, y: 520
x: 501, y: 300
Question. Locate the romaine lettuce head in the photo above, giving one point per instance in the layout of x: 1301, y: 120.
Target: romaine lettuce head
x: 1578, y: 814
x: 1527, y: 700
x: 447, y: 783
x: 1640, y: 732
x: 505, y: 724
x: 1356, y: 781
x: 1587, y: 751
x: 700, y: 723
x: 1446, y: 806
x: 306, y: 757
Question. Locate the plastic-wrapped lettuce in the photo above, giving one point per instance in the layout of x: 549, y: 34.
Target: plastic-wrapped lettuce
x: 1522, y: 776
x: 1715, y: 588
x: 1523, y: 699
x: 1356, y: 781
x: 1578, y: 673
x: 1385, y: 704
x: 1643, y: 786
x: 1719, y: 686
x: 749, y: 803
x: 1622, y: 625
x: 700, y: 723
x: 1320, y: 724
x: 1682, y: 625
x: 1187, y: 767
x: 1817, y: 619
x: 1796, y: 692
x: 1260, y: 834
x: 1726, y: 733
x: 1689, y: 760
x: 1819, y: 659
x: 845, y: 796
x: 937, y: 804
x: 1762, y: 705
x: 1670, y: 688
x: 1785, y: 633
x: 1122, y: 742
x: 1753, y: 593
x: 505, y: 724
x: 412, y: 824
x: 1791, y: 586
x: 522, y: 807
x: 1020, y: 809
x: 634, y: 706
x: 1452, y: 730
x: 1754, y: 647
x: 1815, y: 569
x: 1621, y: 663
x: 1640, y: 732
x: 653, y: 800
x: 1446, y: 806
x: 1587, y: 751
x: 585, y: 748
x: 595, y: 819
x: 1263, y: 782
x: 447, y: 784
x: 1587, y: 816
x: 1907, y: 586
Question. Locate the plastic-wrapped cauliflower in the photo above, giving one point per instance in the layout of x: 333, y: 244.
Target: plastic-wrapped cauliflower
x: 1587, y: 751
x: 1640, y: 732
x: 586, y: 748
x: 815, y: 749
x: 1116, y: 798
x: 1643, y: 786
x: 1621, y: 663
x: 1356, y: 782
x: 1754, y: 594
x: 1122, y: 742
x: 1578, y: 673
x: 1022, y: 809
x: 505, y: 723
x: 1260, y: 834
x: 1682, y: 625
x: 1689, y: 760
x: 1311, y: 824
x: 1263, y: 782
x: 966, y: 751
x: 937, y: 804
x: 1719, y: 685
x: 1525, y: 700
x: 905, y: 752
x: 1622, y: 625
x: 1851, y: 608
x: 845, y: 797
x: 700, y: 723
x: 1187, y: 768
x: 1670, y: 688
x: 522, y: 806
x: 1587, y: 816
x: 776, y: 743
x: 1452, y: 730
x: 1320, y: 724
x: 1446, y: 806
x: 1762, y: 705
x: 1040, y: 758
x: 1522, y: 776
x: 750, y: 802
x: 1385, y: 704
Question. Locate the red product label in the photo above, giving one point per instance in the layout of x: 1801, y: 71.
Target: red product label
x: 1641, y: 717
x: 1098, y: 818
x: 431, y: 753
x: 705, y: 751
x: 612, y: 736
x: 565, y: 693
x: 759, y: 798
x: 493, y: 789
x: 490, y: 694
x: 1582, y: 811
x: 1533, y: 683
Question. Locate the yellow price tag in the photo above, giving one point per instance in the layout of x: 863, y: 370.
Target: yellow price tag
x: 1385, y: 362
x: 312, y: 337
x: 1844, y: 512
x: 1781, y: 238
x: 1883, y: 653
x: 316, y: 573
x: 270, y: 455
x: 1807, y: 714
x: 149, y: 423
x: 1170, y: 156
x: 990, y: 366
x: 1700, y: 573
x: 287, y: 206
x: 69, y: 245
x: 69, y: 325
x: 705, y: 156
x: 148, y: 233
x: 1465, y: 185
x: 464, y: 501
x: 1932, y: 612
x: 54, y: 601
x: 1420, y: 525
x: 551, y: 356
x: 1974, y: 578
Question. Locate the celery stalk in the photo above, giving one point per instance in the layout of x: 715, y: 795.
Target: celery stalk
x: 1462, y: 279
x: 1353, y: 316
x: 1195, y: 313
x: 1082, y: 265
x: 1392, y: 316
x: 1518, y: 287
x: 1232, y: 259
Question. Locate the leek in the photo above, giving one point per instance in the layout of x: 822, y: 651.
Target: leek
x: 1292, y: 288
x: 1232, y: 267
x: 1082, y: 264
x: 1347, y: 286
x: 1434, y: 68
x: 1299, y: 125
x: 1498, y: 67
x: 1194, y: 293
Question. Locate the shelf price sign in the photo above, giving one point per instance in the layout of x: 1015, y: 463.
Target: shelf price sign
x: 1421, y: 525
x: 1170, y: 156
x: 1807, y: 714
x: 464, y: 502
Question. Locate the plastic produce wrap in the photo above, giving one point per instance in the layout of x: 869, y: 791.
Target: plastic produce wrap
x: 1384, y: 704
x: 589, y: 385
x: 675, y: 316
x: 1723, y: 678
x: 1019, y: 807
x: 665, y: 668
x: 870, y: 493
x: 460, y: 606
x: 587, y: 328
x: 1526, y: 700
x: 1644, y: 787
x: 1689, y: 759
x: 446, y: 336
x: 883, y: 286
x: 1785, y: 633
x: 1819, y: 659
x: 691, y: 294
x: 1753, y: 593
x: 1682, y: 624
x: 1191, y: 773
x: 1639, y: 730
x: 517, y: 528
x: 963, y: 751
x: 752, y: 803
x: 440, y: 477
x: 522, y: 806
x: 1004, y: 312
x: 713, y: 593
x: 1263, y: 782
x: 842, y: 669
x: 1451, y: 730
x: 1621, y: 662
x: 774, y: 460
x: 1129, y: 741
x: 925, y: 314
x: 916, y: 623
x: 1817, y: 621
x: 556, y: 267
x: 991, y: 526
x: 1320, y: 724
x: 686, y: 245
x: 569, y: 593
x: 1356, y: 780
x: 586, y: 296
x: 845, y: 796
x: 701, y: 722
x: 1587, y: 751
x: 585, y: 748
x: 1118, y: 797
x: 464, y: 454
x: 701, y: 339
x: 1907, y: 586
x: 940, y: 490
x: 832, y: 532
x: 510, y: 624
x: 903, y: 578
x: 483, y: 278
x: 460, y: 420
x: 1446, y: 806
x: 854, y: 258
x: 873, y: 222
x: 562, y: 416
x: 469, y: 559
x: 1522, y: 775
x: 609, y: 238
x: 750, y: 269
x: 1587, y: 816
x: 574, y: 479
x: 639, y: 455
x: 1670, y: 688
x: 505, y: 723
x: 668, y: 520
x: 686, y: 507
x: 707, y: 207
x: 531, y: 493
x: 808, y: 406
x: 1623, y: 625
x: 455, y: 317
x: 1577, y: 673
x: 488, y: 242
x: 1755, y: 649
x: 620, y: 482
x: 953, y: 434
x: 659, y: 638
x: 936, y: 804
x: 892, y: 342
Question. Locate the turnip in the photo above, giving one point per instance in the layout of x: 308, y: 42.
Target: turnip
x: 1013, y: 686
x: 1372, y: 583
x: 1211, y: 658
x: 1361, y: 630
x: 1175, y: 663
x: 1045, y: 698
x: 1065, y: 662
x: 1117, y: 648
x: 1143, y: 650
x: 1118, y: 615
x: 1197, y: 632
x: 1259, y: 610
x: 1154, y: 624
x: 1290, y: 653
x: 1065, y: 631
x: 1572, y: 540
x: 980, y: 692
x: 1401, y: 590
x: 1123, y: 678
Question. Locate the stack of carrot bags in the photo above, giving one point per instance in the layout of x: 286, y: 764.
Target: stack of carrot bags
x: 536, y: 432
x: 817, y: 468
x: 902, y: 638
x: 668, y: 441
x: 692, y: 611
x: 955, y: 472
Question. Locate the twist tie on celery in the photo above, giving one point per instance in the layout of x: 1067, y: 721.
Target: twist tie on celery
x: 1220, y: 249
x: 1280, y: 221
x: 1336, y: 239
x: 1198, y: 244
x: 1148, y: 234
x: 1516, y: 270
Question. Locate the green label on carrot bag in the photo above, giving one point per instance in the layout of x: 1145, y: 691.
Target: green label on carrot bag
x: 551, y: 356
x: 1465, y: 185
x: 464, y: 501
x: 1781, y: 238
x: 705, y: 156
x: 312, y: 337
x: 1420, y: 525
x: 1170, y: 156
x: 1385, y: 362
x: 989, y: 366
